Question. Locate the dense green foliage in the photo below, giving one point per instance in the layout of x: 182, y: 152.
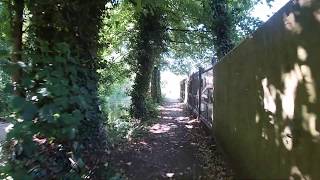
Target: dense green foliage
x: 58, y: 127
x: 4, y: 52
x: 4, y: 107
x: 68, y: 69
x: 114, y: 67
x: 116, y: 72
x: 230, y: 23
x: 212, y: 29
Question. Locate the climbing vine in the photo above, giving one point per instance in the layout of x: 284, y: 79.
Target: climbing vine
x: 148, y: 46
x: 58, y: 127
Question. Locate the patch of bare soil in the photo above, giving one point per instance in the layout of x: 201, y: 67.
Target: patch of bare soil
x: 175, y: 147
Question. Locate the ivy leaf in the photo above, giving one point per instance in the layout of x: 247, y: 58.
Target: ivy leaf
x: 27, y: 82
x: 80, y: 100
x: 63, y: 48
x: 61, y: 102
x: 60, y: 59
x: 9, y: 89
x: 29, y: 111
x: 67, y: 133
x: 72, y: 133
x: 21, y: 130
x: 4, y: 54
x: 17, y: 103
x: 47, y: 112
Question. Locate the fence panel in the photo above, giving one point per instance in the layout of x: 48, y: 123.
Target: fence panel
x: 206, y: 108
x: 200, y: 94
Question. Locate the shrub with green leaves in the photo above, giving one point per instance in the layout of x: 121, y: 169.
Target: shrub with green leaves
x: 115, y: 106
x: 44, y: 118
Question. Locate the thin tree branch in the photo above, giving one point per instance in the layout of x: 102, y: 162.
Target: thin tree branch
x: 188, y: 30
x: 182, y: 42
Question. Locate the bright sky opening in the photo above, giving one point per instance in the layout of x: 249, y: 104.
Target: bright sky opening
x: 264, y: 11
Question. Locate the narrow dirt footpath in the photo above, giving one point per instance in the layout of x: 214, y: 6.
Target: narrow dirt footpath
x: 175, y: 147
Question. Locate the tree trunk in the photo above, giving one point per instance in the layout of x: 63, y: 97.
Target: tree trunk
x: 221, y: 27
x: 148, y: 48
x: 156, y: 85
x: 140, y: 90
x: 16, y: 9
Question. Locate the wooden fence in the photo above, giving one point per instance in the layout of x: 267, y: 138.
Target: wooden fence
x: 199, y: 94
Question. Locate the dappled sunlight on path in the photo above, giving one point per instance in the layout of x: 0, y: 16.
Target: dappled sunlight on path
x: 171, y: 149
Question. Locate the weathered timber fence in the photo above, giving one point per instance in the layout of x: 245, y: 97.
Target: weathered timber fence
x: 199, y: 94
x: 266, y: 108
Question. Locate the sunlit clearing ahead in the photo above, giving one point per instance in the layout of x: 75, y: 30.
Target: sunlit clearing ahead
x: 171, y: 85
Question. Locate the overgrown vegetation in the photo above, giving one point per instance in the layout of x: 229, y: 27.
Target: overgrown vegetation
x: 58, y: 127
x: 4, y: 51
x: 116, y: 109
x: 78, y: 77
x: 148, y: 46
x: 4, y: 107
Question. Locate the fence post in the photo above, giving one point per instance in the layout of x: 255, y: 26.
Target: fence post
x: 200, y: 91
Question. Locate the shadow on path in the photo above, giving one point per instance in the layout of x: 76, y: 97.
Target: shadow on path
x: 175, y: 147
